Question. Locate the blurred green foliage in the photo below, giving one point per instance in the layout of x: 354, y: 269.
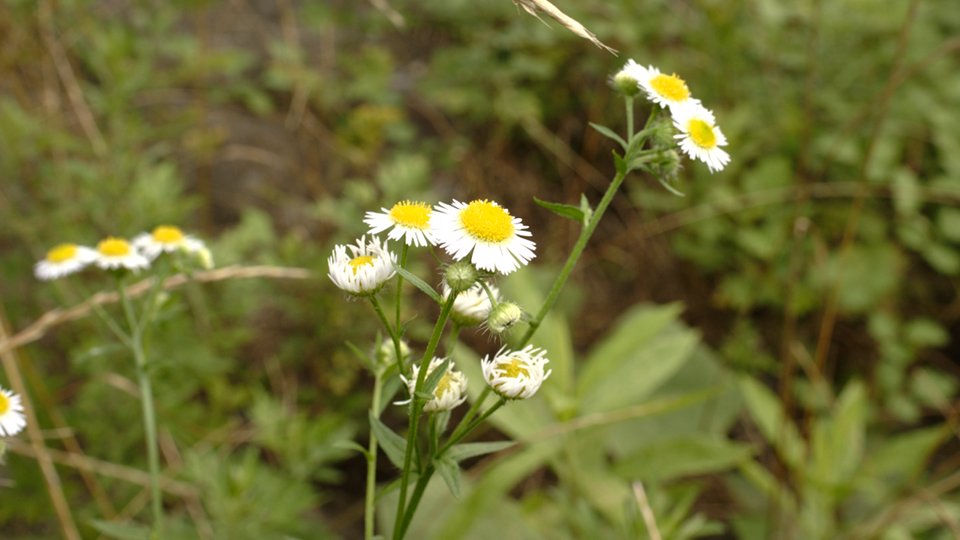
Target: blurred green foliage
x: 268, y: 128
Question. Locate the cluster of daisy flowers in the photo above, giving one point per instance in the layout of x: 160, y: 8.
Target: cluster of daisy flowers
x: 485, y: 240
x: 12, y: 419
x: 114, y: 253
x: 699, y: 137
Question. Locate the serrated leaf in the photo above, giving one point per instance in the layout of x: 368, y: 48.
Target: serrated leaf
x: 563, y: 210
x: 121, y: 531
x: 393, y: 445
x: 420, y: 284
x: 464, y: 451
x: 610, y: 134
x: 450, y: 472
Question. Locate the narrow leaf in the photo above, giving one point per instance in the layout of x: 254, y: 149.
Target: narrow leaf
x: 419, y: 283
x: 563, y: 210
x: 120, y: 531
x: 351, y: 445
x: 450, y: 472
x: 393, y: 445
x: 609, y: 133
x: 433, y: 379
x: 464, y: 451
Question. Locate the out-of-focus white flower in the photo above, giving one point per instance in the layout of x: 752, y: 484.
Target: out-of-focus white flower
x: 699, y: 136
x: 114, y: 253
x: 168, y: 239
x: 11, y: 414
x: 64, y: 259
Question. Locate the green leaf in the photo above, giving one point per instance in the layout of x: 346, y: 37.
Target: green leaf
x: 393, y: 445
x: 563, y: 210
x: 948, y: 221
x: 837, y: 442
x: 121, y: 531
x: 585, y: 208
x: 779, y: 431
x: 351, y: 445
x: 450, y: 472
x: 464, y: 451
x: 906, y: 192
x: 610, y: 134
x: 682, y: 456
x: 619, y: 163
x: 420, y: 284
x: 433, y: 379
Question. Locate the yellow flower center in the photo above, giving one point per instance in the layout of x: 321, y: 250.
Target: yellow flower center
x: 701, y: 133
x: 362, y: 260
x: 166, y: 234
x: 62, y: 253
x: 486, y: 221
x: 513, y: 368
x: 411, y: 214
x: 445, y: 385
x: 114, y: 247
x: 4, y: 404
x: 670, y: 87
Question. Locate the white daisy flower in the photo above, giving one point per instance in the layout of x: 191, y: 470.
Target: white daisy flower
x: 699, y: 136
x: 516, y: 374
x: 472, y: 306
x: 487, y: 231
x: 167, y: 239
x: 63, y: 260
x: 664, y: 90
x: 451, y: 390
x: 113, y: 253
x: 11, y: 414
x: 627, y: 80
x: 365, y: 269
x: 409, y: 220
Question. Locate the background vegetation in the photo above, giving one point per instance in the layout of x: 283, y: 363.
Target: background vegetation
x: 787, y: 368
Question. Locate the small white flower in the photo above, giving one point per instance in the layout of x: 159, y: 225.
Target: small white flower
x: 62, y: 260
x: 409, y: 220
x: 473, y: 305
x: 699, y: 136
x: 167, y: 239
x: 11, y: 414
x: 113, y: 253
x: 664, y: 90
x: 516, y: 374
x: 451, y: 390
x: 365, y: 269
x: 484, y: 230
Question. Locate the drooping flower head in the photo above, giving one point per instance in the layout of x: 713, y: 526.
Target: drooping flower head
x: 668, y: 91
x: 486, y: 232
x: 503, y: 317
x: 116, y: 253
x: 365, y: 269
x: 409, y: 220
x: 167, y: 239
x: 451, y: 390
x: 63, y: 260
x: 11, y: 414
x: 516, y: 374
x: 473, y: 305
x: 699, y: 136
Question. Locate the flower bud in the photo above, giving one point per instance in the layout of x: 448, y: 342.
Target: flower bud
x: 504, y: 316
x: 386, y: 354
x: 460, y: 276
x: 626, y: 81
x: 473, y: 305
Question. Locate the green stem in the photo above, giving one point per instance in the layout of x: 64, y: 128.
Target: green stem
x: 454, y: 439
x: 369, y: 513
x: 149, y: 416
x: 629, y: 106
x: 416, y: 407
x: 474, y: 408
x: 401, y: 367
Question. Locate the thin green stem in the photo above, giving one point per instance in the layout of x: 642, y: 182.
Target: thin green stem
x: 472, y: 411
x: 455, y: 438
x: 403, y: 264
x: 401, y: 367
x: 369, y: 513
x: 416, y: 408
x: 629, y: 106
x: 149, y: 416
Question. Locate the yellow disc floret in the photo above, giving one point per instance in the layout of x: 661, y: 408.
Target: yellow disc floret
x: 362, y: 260
x: 671, y: 87
x: 62, y: 253
x: 114, y: 247
x: 513, y: 369
x: 167, y: 234
x: 487, y: 221
x: 445, y: 385
x: 4, y: 404
x: 411, y: 214
x: 701, y: 133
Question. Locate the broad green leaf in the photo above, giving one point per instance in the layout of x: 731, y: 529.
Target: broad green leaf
x: 948, y: 221
x: 450, y: 472
x: 121, y: 531
x: 609, y: 133
x: 393, y: 445
x: 837, y: 441
x: 464, y: 451
x: 682, y: 456
x: 419, y: 283
x: 899, y: 459
x: 906, y: 192
x: 767, y: 414
x: 563, y: 210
